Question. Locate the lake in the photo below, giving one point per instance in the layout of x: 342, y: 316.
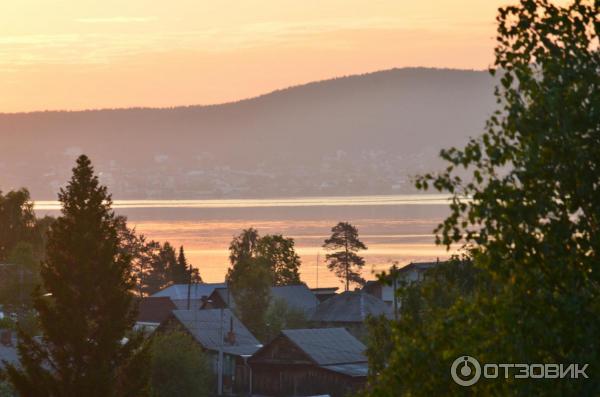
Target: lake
x: 394, y: 228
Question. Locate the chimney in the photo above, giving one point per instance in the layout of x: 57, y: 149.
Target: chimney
x: 230, y: 338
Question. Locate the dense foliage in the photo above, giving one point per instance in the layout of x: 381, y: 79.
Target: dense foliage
x: 275, y: 250
x: 282, y: 258
x: 257, y: 264
x: 281, y: 316
x: 17, y: 221
x: 249, y: 280
x: 154, y: 266
x: 179, y: 367
x: 22, y: 247
x: 532, y: 226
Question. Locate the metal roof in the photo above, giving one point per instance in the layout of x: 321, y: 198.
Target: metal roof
x: 297, y: 296
x: 356, y: 369
x: 350, y: 307
x: 205, y: 327
x: 328, y: 346
x: 197, y: 291
x: 419, y: 266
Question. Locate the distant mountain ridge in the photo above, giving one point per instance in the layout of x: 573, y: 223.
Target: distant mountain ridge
x: 364, y: 134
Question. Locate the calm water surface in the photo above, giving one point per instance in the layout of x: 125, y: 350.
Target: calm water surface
x: 394, y: 228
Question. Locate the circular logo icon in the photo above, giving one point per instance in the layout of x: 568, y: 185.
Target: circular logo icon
x: 465, y: 371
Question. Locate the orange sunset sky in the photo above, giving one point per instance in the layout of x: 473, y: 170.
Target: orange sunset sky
x: 80, y: 54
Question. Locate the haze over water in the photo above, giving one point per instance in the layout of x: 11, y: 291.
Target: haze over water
x: 394, y: 228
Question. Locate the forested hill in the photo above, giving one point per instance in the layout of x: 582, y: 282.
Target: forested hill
x: 364, y: 134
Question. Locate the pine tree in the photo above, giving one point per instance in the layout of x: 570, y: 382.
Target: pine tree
x: 87, y: 313
x: 345, y: 263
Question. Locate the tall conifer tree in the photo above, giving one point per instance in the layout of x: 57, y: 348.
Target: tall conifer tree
x: 87, y: 313
x: 180, y: 272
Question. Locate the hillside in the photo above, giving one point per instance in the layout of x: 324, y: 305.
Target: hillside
x: 363, y: 134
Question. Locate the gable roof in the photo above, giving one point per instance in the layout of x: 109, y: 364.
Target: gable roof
x: 225, y: 296
x: 350, y: 307
x: 180, y: 291
x: 353, y: 369
x: 296, y: 296
x: 205, y: 327
x: 155, y: 309
x: 418, y: 266
x: 328, y: 346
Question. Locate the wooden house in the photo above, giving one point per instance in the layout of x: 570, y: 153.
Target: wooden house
x: 308, y: 362
x: 349, y: 309
x: 219, y: 329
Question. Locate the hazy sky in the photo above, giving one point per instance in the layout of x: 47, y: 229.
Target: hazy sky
x: 77, y: 54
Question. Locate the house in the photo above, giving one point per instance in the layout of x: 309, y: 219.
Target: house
x: 153, y: 311
x: 323, y: 294
x: 214, y: 330
x: 413, y: 272
x: 178, y: 293
x: 349, y: 309
x: 295, y: 296
x: 308, y: 362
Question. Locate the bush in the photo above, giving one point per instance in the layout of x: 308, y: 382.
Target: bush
x: 179, y: 367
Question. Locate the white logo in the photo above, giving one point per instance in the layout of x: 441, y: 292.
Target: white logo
x: 469, y: 372
x: 466, y: 371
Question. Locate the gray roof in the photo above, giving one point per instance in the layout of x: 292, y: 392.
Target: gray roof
x: 355, y: 369
x: 180, y: 291
x: 350, y: 307
x: 204, y: 326
x: 328, y: 346
x: 297, y: 296
x: 8, y: 354
x: 418, y: 266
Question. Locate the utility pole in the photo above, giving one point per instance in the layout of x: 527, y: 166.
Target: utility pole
x: 394, y: 274
x: 220, y: 363
x: 189, y: 291
x: 317, y: 269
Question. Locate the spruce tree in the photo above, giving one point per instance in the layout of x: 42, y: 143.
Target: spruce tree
x: 180, y: 273
x: 87, y: 313
x: 345, y: 263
